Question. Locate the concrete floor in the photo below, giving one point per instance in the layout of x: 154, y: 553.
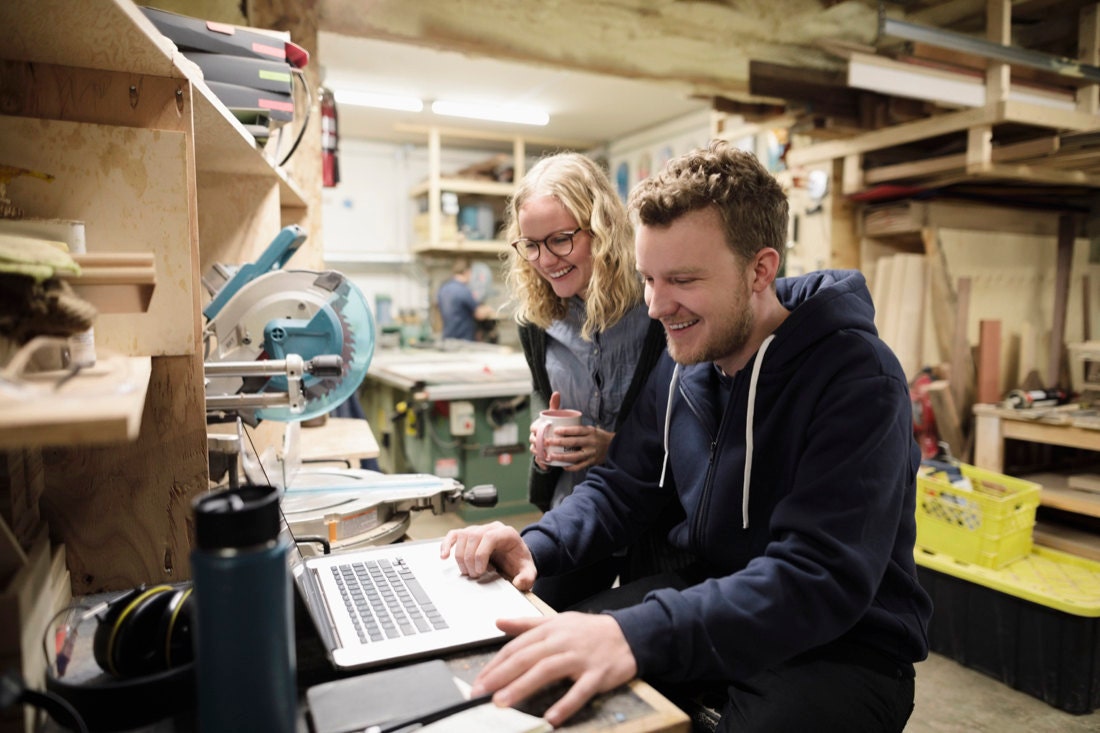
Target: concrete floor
x: 950, y: 698
x: 954, y: 699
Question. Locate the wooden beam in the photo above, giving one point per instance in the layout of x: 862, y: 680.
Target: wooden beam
x: 947, y: 417
x: 993, y: 114
x: 962, y: 366
x: 998, y: 28
x: 1067, y: 230
x: 1088, y: 50
x: 942, y: 164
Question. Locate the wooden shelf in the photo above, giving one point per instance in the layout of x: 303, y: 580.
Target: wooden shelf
x: 101, y: 404
x: 1057, y: 494
x: 462, y: 246
x: 1067, y: 539
x: 1050, y: 156
x: 464, y: 185
x: 437, y: 242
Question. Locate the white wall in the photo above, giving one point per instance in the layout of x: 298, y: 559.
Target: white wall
x: 368, y: 216
x: 368, y: 219
x: 634, y: 157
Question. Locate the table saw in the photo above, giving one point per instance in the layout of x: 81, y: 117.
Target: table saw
x: 456, y: 409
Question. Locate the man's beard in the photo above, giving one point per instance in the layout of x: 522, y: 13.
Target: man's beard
x: 731, y: 337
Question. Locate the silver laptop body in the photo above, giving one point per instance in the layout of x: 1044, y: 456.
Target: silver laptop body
x: 362, y: 630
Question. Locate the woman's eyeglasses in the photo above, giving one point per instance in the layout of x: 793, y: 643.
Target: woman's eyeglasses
x: 559, y: 244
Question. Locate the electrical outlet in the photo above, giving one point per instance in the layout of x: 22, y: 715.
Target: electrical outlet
x: 462, y: 418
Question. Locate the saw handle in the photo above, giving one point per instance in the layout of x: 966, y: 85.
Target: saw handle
x: 484, y: 495
x: 285, y: 244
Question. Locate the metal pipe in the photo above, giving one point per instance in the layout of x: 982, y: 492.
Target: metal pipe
x: 988, y: 49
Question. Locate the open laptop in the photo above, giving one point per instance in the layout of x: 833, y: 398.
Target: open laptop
x: 432, y: 608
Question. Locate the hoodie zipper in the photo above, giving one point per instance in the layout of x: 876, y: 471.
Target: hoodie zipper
x: 696, y: 537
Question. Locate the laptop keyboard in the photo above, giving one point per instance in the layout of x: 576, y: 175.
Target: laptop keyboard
x: 385, y: 600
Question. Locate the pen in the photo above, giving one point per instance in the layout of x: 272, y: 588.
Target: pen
x: 433, y: 716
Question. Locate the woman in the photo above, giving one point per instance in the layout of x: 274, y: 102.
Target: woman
x: 586, y: 333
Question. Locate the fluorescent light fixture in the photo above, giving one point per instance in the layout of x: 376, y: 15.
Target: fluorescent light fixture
x: 494, y: 113
x: 379, y: 101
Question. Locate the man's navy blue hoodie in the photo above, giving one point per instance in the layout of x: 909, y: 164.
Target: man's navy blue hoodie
x: 799, y: 494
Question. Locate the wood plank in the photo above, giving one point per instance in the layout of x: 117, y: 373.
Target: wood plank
x: 1036, y: 432
x: 1067, y: 539
x: 947, y: 417
x: 1067, y: 231
x: 1084, y: 482
x: 1070, y: 500
x: 911, y: 312
x: 998, y: 29
x: 101, y: 404
x: 123, y: 510
x: 989, y: 361
x: 1088, y: 51
x: 992, y: 114
x: 927, y: 166
x: 962, y: 371
x: 115, y: 202
x: 988, y: 441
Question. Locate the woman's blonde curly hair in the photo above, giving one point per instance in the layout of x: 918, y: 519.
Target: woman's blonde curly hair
x: 585, y: 191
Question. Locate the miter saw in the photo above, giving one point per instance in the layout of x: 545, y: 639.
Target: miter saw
x: 291, y: 345
x: 286, y: 345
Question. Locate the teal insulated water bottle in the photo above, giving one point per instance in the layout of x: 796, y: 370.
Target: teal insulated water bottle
x: 244, y: 625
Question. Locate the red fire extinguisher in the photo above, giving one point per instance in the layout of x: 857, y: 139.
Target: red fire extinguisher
x: 330, y: 165
x: 924, y: 419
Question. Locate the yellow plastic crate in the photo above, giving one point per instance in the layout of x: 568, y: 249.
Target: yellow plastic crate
x: 989, y: 525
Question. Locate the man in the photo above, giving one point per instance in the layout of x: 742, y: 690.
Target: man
x: 458, y: 309
x: 783, y: 426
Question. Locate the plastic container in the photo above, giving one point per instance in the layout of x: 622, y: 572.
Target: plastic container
x: 1033, y: 625
x: 989, y: 524
x: 245, y: 665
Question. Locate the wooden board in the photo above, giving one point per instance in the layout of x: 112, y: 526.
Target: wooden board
x: 124, y: 510
x: 989, y: 361
x: 113, y: 179
x: 101, y: 404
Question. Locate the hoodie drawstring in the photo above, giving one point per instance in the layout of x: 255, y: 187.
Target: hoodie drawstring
x: 668, y: 419
x: 749, y: 412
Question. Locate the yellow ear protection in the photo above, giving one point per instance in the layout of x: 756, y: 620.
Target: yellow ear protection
x: 144, y: 631
x: 142, y: 642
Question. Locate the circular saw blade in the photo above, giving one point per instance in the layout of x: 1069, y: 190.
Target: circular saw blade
x: 345, y: 327
x: 351, y: 310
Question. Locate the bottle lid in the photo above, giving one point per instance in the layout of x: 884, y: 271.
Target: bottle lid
x: 245, y: 516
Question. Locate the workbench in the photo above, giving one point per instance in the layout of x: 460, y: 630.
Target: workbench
x: 993, y: 425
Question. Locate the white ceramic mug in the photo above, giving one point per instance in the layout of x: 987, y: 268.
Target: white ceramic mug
x: 544, y: 426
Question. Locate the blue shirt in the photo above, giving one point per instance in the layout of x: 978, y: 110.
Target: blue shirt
x: 593, y: 376
x: 456, y: 308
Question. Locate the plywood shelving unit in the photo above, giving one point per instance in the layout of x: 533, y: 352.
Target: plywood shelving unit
x: 154, y: 165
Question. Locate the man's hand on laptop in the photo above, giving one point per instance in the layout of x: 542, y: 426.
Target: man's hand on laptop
x: 587, y: 648
x: 476, y: 548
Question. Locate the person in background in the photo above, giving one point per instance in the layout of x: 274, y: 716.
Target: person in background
x: 588, y: 339
x: 782, y: 424
x: 458, y: 308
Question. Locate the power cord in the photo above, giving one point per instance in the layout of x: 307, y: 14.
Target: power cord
x: 14, y: 692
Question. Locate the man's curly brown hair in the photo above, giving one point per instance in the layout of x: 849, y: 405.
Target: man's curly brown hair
x: 749, y: 200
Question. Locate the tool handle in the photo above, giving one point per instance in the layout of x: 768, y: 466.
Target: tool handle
x: 484, y: 495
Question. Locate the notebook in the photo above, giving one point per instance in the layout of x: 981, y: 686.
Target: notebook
x: 386, y: 603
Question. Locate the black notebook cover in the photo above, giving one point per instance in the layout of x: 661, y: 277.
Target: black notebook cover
x: 378, y: 698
